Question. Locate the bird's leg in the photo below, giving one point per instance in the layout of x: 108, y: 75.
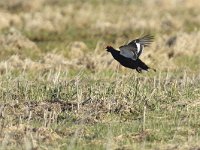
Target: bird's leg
x: 139, y: 70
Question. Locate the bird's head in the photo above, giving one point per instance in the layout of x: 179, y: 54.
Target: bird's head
x: 109, y: 48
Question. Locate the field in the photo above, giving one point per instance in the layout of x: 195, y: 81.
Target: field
x: 60, y: 88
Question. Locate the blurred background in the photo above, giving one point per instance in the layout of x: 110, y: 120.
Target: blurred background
x: 73, y: 34
x: 60, y: 88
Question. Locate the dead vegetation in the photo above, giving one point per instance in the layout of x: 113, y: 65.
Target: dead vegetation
x: 60, y: 89
x: 122, y: 27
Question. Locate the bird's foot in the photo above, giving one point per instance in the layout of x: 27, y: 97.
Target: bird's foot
x: 139, y: 70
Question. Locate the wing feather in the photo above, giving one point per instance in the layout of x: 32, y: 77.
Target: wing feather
x: 134, y: 49
x: 145, y: 40
x: 129, y: 52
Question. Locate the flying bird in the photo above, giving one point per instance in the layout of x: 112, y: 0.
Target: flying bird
x: 129, y: 54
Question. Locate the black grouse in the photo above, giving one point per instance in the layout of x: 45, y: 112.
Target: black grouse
x: 128, y: 56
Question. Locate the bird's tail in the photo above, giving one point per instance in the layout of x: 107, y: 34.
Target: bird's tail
x: 143, y: 66
x: 152, y: 69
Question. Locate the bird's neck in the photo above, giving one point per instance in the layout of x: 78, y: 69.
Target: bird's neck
x: 115, y: 53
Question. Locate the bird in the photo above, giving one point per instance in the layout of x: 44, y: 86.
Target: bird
x: 129, y: 54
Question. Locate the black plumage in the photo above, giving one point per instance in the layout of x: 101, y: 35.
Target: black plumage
x: 128, y: 56
x: 135, y: 48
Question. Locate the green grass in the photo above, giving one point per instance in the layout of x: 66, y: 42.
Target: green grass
x: 93, y: 103
x: 130, y: 111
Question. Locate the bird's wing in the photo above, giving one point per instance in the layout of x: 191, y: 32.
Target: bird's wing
x: 143, y: 41
x: 134, y: 49
x: 129, y: 51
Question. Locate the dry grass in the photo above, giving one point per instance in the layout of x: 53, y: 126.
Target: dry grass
x: 60, y: 89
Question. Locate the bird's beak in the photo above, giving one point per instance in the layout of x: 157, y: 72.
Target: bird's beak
x: 106, y: 48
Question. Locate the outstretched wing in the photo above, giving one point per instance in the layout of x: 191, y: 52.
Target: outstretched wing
x: 129, y: 51
x: 143, y: 41
x: 134, y: 49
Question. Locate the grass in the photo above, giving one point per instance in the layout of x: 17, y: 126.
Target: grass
x: 80, y: 112
x: 59, y: 89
